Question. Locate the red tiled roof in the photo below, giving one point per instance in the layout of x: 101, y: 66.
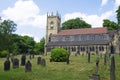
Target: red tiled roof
x: 82, y: 31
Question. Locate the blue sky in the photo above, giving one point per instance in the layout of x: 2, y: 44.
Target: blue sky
x: 30, y: 15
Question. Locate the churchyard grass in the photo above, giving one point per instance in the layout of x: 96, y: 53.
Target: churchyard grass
x: 78, y: 69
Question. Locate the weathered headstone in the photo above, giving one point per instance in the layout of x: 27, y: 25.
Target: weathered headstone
x: 15, y: 63
x: 112, y: 68
x: 97, y: 63
x: 94, y: 77
x: 7, y: 65
x: 51, y: 60
x: 67, y: 59
x: 7, y: 57
x: 30, y: 56
x: 43, y: 62
x: 28, y: 66
x: 75, y: 54
x: 88, y: 57
x: 23, y: 60
x: 105, y: 59
x: 39, y: 60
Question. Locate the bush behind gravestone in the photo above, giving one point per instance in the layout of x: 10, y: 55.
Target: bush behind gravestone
x: 59, y: 54
x: 4, y: 53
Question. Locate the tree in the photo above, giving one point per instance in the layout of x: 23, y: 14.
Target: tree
x: 7, y: 27
x: 118, y: 15
x: 75, y: 24
x: 110, y: 24
x: 39, y: 47
x: 26, y: 44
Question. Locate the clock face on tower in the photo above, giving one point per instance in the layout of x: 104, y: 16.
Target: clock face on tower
x: 51, y: 25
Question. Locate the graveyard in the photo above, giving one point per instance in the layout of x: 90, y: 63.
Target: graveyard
x: 78, y: 68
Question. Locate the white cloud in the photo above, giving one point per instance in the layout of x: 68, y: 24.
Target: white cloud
x: 25, y: 12
x: 104, y: 2
x: 27, y: 34
x: 117, y: 3
x: 94, y: 20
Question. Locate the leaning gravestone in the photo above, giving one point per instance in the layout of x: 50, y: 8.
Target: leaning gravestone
x: 23, y: 60
x: 15, y: 63
x: 28, y: 66
x: 7, y: 65
x: 39, y: 60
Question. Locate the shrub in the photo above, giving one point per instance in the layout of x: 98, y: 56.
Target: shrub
x: 59, y: 54
x: 4, y: 53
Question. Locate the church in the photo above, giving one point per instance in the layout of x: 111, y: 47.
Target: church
x: 80, y: 41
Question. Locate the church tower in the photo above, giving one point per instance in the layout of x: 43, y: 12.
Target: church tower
x: 53, y: 25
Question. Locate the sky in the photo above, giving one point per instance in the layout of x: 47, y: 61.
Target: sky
x: 30, y: 15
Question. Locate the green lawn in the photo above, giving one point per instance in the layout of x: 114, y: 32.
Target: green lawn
x: 78, y: 69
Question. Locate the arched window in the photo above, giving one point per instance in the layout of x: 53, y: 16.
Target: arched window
x: 51, y: 25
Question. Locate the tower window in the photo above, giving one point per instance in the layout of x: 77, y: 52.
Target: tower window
x: 52, y: 25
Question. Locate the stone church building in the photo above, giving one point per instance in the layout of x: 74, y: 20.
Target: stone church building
x: 93, y: 40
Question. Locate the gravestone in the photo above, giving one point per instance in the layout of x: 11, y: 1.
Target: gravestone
x: 7, y: 65
x: 39, y: 60
x: 15, y: 63
x: 88, y: 57
x: 75, y: 54
x: 28, y: 66
x: 97, y: 63
x: 105, y: 59
x: 94, y: 77
x: 7, y: 57
x: 33, y: 56
x: 51, y: 60
x: 67, y: 59
x: 30, y: 56
x: 112, y: 68
x: 23, y: 60
x: 43, y: 62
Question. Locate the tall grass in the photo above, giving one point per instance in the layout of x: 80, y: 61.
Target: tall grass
x: 78, y: 69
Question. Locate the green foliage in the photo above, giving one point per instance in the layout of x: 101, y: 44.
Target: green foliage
x: 7, y: 27
x: 4, y: 53
x: 110, y: 24
x: 59, y: 54
x: 39, y: 47
x: 118, y: 15
x: 75, y: 24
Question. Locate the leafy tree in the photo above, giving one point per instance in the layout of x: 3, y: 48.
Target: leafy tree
x: 7, y: 27
x: 26, y: 44
x: 118, y: 15
x: 110, y: 24
x: 75, y: 24
x: 39, y: 47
